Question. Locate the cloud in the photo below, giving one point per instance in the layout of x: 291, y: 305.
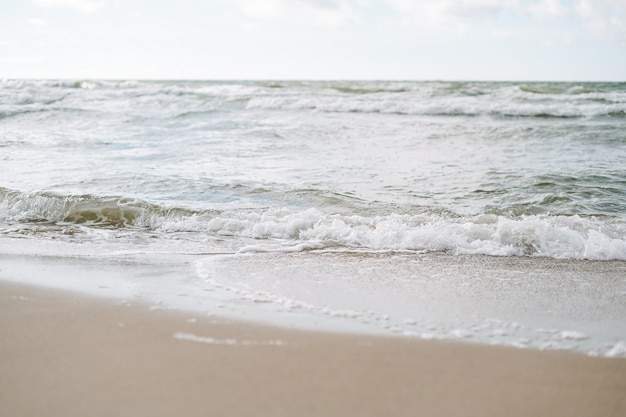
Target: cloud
x: 606, y: 18
x: 313, y: 12
x: 548, y: 9
x: 446, y: 10
x: 452, y: 17
x: 85, y: 6
x: 37, y: 22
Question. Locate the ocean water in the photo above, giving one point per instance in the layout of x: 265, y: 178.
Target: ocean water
x: 303, y: 176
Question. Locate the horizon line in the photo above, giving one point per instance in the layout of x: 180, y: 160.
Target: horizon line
x: 374, y: 79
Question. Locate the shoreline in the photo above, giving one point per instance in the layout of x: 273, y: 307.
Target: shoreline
x: 70, y: 354
x: 534, y: 303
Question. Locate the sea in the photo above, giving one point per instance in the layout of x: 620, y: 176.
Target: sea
x: 489, y: 212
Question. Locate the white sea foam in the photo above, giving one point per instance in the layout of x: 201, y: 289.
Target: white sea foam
x: 227, y: 342
x: 293, y: 230
x: 573, y: 335
x: 618, y: 350
x: 550, y: 236
x: 460, y: 107
x: 382, y: 97
x: 505, y: 101
x: 446, y: 297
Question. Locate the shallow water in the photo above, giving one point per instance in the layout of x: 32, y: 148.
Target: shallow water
x: 523, y: 302
x: 116, y: 170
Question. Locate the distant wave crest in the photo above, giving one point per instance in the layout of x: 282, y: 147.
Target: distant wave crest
x: 541, y: 100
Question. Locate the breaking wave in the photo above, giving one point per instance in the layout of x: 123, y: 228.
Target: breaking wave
x: 88, y: 210
x: 292, y: 229
x: 541, y: 100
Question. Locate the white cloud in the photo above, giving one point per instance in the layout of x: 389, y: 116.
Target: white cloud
x: 548, y: 9
x: 607, y: 18
x: 21, y: 60
x: 451, y: 16
x: 37, y: 22
x: 86, y: 6
x: 446, y: 10
x: 314, y: 12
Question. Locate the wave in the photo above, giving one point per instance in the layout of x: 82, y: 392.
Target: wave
x: 558, y: 88
x: 298, y: 229
x: 17, y: 112
x: 452, y: 99
x: 541, y: 100
x: 85, y: 209
x: 447, y: 107
x: 556, y: 237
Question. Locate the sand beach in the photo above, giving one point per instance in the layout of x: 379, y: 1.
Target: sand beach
x: 64, y: 353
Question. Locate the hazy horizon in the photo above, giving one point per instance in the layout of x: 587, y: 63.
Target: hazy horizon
x: 315, y: 80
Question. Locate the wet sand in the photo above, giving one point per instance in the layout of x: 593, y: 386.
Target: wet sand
x: 67, y: 354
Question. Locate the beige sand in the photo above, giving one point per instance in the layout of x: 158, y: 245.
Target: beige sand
x: 64, y: 354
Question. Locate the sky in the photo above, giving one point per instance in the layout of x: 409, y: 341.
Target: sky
x: 530, y: 40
